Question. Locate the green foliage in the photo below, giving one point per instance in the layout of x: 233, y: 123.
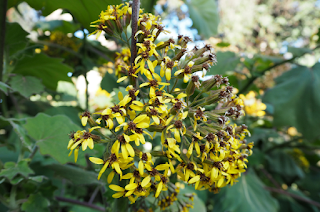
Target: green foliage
x: 51, y: 140
x: 227, y: 62
x: 246, y: 195
x: 4, y: 87
x: 296, y: 100
x: 69, y: 172
x: 11, y: 169
x: 36, y: 202
x: 109, y: 82
x: 26, y: 85
x: 15, y: 38
x: 84, y: 11
x: 204, y: 16
x: 49, y: 70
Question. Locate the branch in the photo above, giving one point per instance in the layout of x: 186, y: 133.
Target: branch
x: 253, y: 78
x: 3, y: 12
x: 268, y: 175
x: 281, y: 191
x: 134, y: 27
x: 76, y: 202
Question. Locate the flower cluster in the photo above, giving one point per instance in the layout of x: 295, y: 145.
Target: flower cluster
x: 166, y: 99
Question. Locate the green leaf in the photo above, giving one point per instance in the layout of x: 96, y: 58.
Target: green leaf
x: 11, y: 169
x: 36, y: 202
x: 204, y: 15
x: 199, y: 198
x: 51, y: 135
x: 26, y: 85
x: 296, y: 52
x: 84, y: 11
x: 109, y: 82
x: 68, y: 172
x: 4, y: 87
x: 296, y: 100
x: 283, y: 164
x: 148, y: 5
x: 246, y: 195
x: 22, y: 135
x: 15, y: 38
x: 227, y: 61
x: 71, y: 112
x: 58, y: 25
x: 50, y: 70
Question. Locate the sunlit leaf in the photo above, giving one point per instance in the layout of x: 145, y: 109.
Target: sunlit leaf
x: 85, y: 11
x: 227, y: 61
x: 204, y: 15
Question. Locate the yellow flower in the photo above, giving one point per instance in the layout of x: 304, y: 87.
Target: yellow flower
x: 187, y: 71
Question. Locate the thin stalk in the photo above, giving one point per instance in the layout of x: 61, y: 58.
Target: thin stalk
x: 77, y: 202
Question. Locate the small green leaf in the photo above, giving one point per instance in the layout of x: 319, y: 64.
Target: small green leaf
x: 36, y: 202
x: 4, y: 87
x: 50, y: 70
x: 51, y: 135
x: 26, y: 85
x: 246, y: 195
x: 204, y: 15
x: 223, y: 44
x: 109, y: 82
x: 227, y: 61
x: 296, y: 100
x: 12, y: 169
x: 68, y: 172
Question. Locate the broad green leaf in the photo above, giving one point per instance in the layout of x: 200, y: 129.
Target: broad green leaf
x: 26, y: 141
x: 4, y: 87
x: 296, y: 52
x: 36, y: 202
x: 50, y: 70
x: 69, y: 172
x: 84, y: 11
x: 227, y: 61
x: 204, y: 15
x: 246, y: 195
x: 283, y: 164
x: 26, y: 85
x: 12, y: 169
x: 148, y: 5
x: 71, y: 112
x: 289, y: 204
x: 51, y: 135
x: 15, y: 38
x: 296, y: 100
x: 109, y: 82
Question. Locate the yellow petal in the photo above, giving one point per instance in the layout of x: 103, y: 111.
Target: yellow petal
x: 84, y: 120
x: 124, y: 151
x: 103, y: 170
x: 142, y: 125
x: 110, y: 177
x: 76, y: 152
x: 141, y: 167
x: 145, y: 181
x: 131, y: 186
x: 122, y: 79
x: 116, y: 188
x: 194, y: 179
x: 156, y: 120
x: 90, y: 143
x: 84, y: 144
x: 140, y: 118
x: 159, y: 189
x: 130, y: 150
x: 96, y: 160
x: 118, y: 195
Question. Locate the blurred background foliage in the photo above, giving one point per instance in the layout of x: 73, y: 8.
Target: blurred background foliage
x: 51, y: 71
